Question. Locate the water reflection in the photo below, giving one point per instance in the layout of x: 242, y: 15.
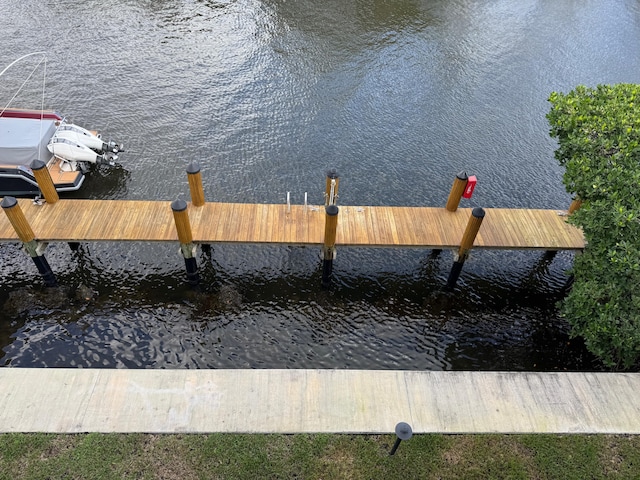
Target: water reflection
x: 253, y: 320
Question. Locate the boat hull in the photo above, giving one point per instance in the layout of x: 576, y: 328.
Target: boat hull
x: 20, y: 181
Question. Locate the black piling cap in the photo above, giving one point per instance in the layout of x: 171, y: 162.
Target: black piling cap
x: 37, y: 165
x: 178, y: 205
x: 462, y: 176
x: 332, y: 173
x: 403, y: 431
x: 478, y: 212
x: 193, y: 167
x: 8, y: 202
x: 331, y: 210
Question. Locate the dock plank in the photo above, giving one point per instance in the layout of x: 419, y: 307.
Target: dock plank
x: 367, y: 226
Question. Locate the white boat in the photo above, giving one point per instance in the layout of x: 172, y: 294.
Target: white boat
x: 66, y: 149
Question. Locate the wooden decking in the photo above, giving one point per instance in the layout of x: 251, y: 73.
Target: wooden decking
x: 425, y: 227
x: 59, y: 175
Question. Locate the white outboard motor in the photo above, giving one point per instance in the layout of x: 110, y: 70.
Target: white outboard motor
x: 74, y: 151
x: 80, y: 135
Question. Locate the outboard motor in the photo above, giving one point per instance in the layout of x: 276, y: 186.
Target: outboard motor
x: 113, y: 147
x: 108, y: 158
x: 83, y: 136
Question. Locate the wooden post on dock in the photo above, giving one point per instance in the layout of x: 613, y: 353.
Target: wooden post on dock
x: 188, y: 249
x: 195, y: 184
x: 457, y: 189
x: 48, y: 189
x: 329, y: 247
x: 331, y: 191
x: 473, y: 225
x: 43, y: 177
x: 575, y: 205
x: 34, y: 248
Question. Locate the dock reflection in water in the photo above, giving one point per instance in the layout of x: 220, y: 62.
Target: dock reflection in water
x: 249, y: 315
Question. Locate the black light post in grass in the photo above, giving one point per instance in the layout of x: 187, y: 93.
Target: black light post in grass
x: 403, y: 432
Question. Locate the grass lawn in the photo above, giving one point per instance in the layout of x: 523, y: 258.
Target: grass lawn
x: 230, y: 456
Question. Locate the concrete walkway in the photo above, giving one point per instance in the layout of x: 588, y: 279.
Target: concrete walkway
x: 292, y: 401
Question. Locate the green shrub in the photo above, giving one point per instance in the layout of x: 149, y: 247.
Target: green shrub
x: 598, y: 132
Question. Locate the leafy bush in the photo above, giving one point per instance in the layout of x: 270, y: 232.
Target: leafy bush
x: 598, y: 132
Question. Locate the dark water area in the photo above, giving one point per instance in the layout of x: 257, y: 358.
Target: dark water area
x: 399, y: 96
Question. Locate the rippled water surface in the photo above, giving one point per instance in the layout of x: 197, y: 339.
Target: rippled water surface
x: 399, y: 96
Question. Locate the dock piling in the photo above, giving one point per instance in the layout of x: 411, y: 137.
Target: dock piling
x: 331, y: 191
x: 575, y: 205
x: 195, y: 184
x: 45, y: 182
x: 457, y: 189
x: 329, y: 247
x: 187, y: 247
x: 34, y: 248
x: 473, y: 226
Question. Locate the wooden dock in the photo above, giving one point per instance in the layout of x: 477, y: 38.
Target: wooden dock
x: 358, y: 226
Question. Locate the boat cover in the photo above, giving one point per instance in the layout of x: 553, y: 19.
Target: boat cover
x: 23, y: 140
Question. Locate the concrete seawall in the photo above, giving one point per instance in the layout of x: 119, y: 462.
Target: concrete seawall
x: 295, y: 401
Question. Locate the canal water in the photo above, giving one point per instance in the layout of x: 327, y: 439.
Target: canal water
x: 397, y: 95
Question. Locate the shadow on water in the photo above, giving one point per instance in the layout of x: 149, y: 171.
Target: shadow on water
x: 268, y: 319
x: 104, y: 182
